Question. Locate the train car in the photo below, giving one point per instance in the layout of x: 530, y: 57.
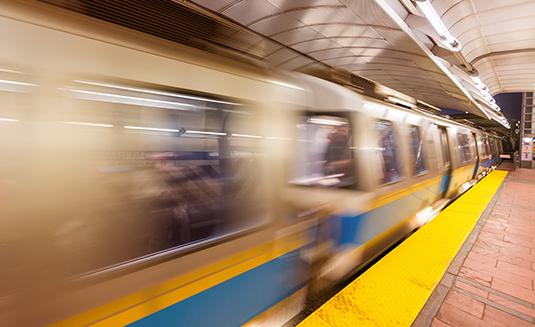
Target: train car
x: 139, y: 179
x: 488, y: 156
x: 148, y: 183
x: 397, y: 169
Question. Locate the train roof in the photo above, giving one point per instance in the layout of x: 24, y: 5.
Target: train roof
x: 331, y: 96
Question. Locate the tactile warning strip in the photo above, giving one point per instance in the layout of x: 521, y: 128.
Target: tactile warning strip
x: 393, y: 291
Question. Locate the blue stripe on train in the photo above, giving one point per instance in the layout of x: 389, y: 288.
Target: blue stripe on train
x: 476, y: 169
x: 237, y: 300
x: 444, y: 183
x: 359, y: 229
x: 487, y: 163
x: 240, y: 299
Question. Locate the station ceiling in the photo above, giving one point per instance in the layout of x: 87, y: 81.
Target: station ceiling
x: 498, y: 38
x: 378, y: 39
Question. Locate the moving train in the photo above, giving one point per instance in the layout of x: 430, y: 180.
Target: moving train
x: 148, y: 183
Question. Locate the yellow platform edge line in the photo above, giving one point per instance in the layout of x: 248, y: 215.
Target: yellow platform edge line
x: 394, y: 290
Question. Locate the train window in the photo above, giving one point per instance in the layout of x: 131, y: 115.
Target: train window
x: 417, y: 150
x: 389, y: 151
x: 161, y: 174
x: 465, y: 152
x: 487, y: 146
x: 481, y: 145
x: 493, y: 146
x: 324, y: 157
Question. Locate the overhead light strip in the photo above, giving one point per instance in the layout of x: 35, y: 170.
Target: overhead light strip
x: 434, y: 19
x: 78, y: 123
x: 384, y: 4
x: 172, y: 130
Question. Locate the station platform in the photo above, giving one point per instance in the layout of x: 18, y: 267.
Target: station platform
x: 472, y: 265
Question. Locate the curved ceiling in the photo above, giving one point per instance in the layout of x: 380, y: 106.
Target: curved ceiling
x: 387, y: 41
x: 366, y: 37
x: 498, y: 38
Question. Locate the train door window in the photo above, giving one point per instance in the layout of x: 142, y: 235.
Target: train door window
x: 487, y: 146
x: 481, y: 146
x: 492, y: 146
x: 465, y: 153
x: 417, y: 150
x: 389, y: 151
x: 495, y: 146
x: 323, y: 155
x: 444, y: 145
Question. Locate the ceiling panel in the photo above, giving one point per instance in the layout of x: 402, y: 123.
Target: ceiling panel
x: 497, y: 37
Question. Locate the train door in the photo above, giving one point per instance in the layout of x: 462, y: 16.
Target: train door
x: 476, y: 166
x: 446, y: 160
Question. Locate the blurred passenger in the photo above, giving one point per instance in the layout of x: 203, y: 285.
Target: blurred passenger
x: 338, y: 155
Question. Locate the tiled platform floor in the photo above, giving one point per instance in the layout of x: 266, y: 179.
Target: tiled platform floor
x: 493, y: 283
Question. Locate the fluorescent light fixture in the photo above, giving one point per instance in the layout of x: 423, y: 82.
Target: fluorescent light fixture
x: 247, y: 136
x: 478, y: 82
x: 124, y: 99
x: 8, y: 120
x: 432, y: 16
x: 149, y: 91
x: 480, y: 85
x: 205, y: 133
x: 153, y: 129
x: 87, y: 124
x: 326, y: 121
x: 487, y: 96
x: 401, y: 102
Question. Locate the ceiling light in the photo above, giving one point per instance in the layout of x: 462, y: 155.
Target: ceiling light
x: 478, y: 82
x: 153, y: 129
x: 205, y: 132
x: 87, y: 124
x: 326, y: 121
x: 430, y: 13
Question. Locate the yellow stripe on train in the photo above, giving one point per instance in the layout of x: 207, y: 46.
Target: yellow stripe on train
x: 150, y: 300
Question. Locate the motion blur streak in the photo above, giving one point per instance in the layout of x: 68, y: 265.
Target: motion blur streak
x: 144, y: 182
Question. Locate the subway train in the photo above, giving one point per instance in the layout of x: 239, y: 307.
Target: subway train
x: 146, y: 183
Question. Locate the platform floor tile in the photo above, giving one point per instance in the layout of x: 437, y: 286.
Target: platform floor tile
x: 495, y: 283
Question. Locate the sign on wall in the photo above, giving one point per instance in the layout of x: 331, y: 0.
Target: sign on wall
x: 527, y: 149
